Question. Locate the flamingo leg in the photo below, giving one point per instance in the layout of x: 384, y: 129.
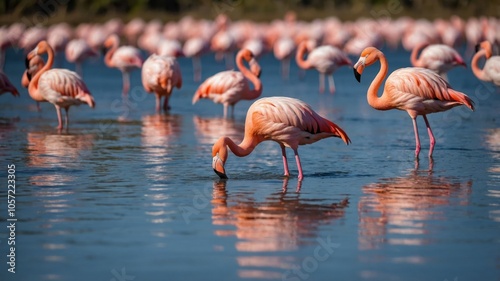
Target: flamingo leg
x: 196, y: 68
x: 225, y: 110
x: 165, y: 103
x: 126, y: 83
x: 228, y: 57
x: 299, y: 166
x: 78, y: 68
x: 285, y: 68
x: 38, y: 106
x: 158, y: 102
x: 66, y: 118
x: 417, y: 139
x: 321, y: 82
x: 432, y: 140
x: 331, y: 83
x: 59, y: 119
x: 285, y: 161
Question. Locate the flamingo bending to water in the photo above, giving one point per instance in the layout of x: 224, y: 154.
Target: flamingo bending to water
x: 491, y: 69
x: 439, y: 58
x: 417, y: 90
x: 125, y: 58
x: 229, y: 87
x: 289, y: 122
x: 160, y: 74
x: 325, y: 59
x: 61, y: 87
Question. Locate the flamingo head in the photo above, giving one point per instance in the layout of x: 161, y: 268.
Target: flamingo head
x: 219, y: 154
x: 111, y: 41
x: 368, y: 57
x: 248, y: 56
x: 486, y: 46
x: 41, y: 48
x: 255, y: 68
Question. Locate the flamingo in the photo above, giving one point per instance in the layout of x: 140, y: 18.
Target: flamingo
x: 33, y: 65
x: 229, y: 87
x: 61, y: 87
x: 160, y: 74
x: 288, y: 121
x: 439, y: 58
x: 6, y: 86
x: 325, y: 59
x: 194, y: 48
x: 283, y: 49
x: 78, y: 50
x: 417, y: 90
x: 125, y: 58
x: 491, y: 69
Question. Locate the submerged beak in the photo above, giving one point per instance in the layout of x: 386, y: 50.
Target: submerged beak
x: 358, y: 68
x: 218, y: 167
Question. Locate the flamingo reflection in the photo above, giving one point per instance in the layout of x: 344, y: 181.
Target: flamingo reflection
x: 209, y: 130
x: 493, y: 144
x: 281, y: 222
x: 395, y: 210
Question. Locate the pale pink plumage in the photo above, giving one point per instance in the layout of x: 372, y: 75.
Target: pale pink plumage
x: 491, y: 68
x: 439, y: 58
x: 283, y: 49
x: 77, y: 51
x: 229, y: 87
x: 160, y: 74
x: 61, y: 87
x: 194, y: 48
x: 418, y: 91
x: 289, y: 122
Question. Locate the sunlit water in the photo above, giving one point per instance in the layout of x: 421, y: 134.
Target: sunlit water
x: 126, y: 194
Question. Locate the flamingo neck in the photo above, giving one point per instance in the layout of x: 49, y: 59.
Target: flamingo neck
x: 110, y: 53
x: 475, y: 65
x: 33, y: 85
x: 414, y: 54
x: 299, y: 56
x: 374, y: 100
x: 243, y: 149
x: 257, y: 84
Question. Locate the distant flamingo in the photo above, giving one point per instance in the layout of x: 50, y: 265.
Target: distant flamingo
x: 160, y: 74
x: 194, y: 48
x: 419, y: 91
x: 77, y: 51
x: 491, y: 69
x: 229, y: 87
x: 325, y: 59
x: 289, y: 122
x: 61, y: 87
x: 6, y: 86
x: 283, y: 49
x: 33, y: 65
x: 125, y: 58
x: 439, y: 58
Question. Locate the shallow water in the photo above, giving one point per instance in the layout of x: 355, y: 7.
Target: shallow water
x: 127, y: 194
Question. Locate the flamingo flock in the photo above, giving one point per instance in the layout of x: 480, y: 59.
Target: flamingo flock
x: 324, y: 45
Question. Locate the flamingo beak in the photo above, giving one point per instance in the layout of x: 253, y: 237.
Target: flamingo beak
x: 478, y: 46
x: 218, y: 167
x: 255, y: 67
x: 358, y: 68
x: 30, y: 55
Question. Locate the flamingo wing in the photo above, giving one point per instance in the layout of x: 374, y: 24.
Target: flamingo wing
x: 492, y: 69
x: 64, y: 88
x: 291, y: 122
x: 223, y: 87
x: 126, y: 57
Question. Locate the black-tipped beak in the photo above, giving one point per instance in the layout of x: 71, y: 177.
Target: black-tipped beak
x: 258, y: 74
x: 477, y: 47
x: 27, y: 62
x: 221, y: 175
x: 357, y: 75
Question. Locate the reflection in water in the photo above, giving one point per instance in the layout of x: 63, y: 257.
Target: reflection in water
x: 282, y: 222
x: 493, y: 143
x: 209, y: 130
x: 395, y: 210
x: 54, y: 150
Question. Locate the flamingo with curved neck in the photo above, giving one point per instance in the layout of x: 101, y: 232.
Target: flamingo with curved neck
x: 418, y: 91
x: 61, y: 87
x: 229, y: 87
x: 125, y: 58
x: 32, y: 67
x: 439, y: 58
x: 490, y: 71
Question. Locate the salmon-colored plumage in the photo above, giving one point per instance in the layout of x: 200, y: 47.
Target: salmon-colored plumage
x: 288, y: 121
x: 229, y: 87
x: 160, y: 74
x: 491, y: 68
x: 439, y: 58
x: 416, y: 90
x: 61, y: 87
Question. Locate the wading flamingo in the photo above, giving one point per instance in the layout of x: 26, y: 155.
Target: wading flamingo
x: 289, y: 122
x: 125, y: 58
x: 229, y: 87
x: 439, y: 58
x: 61, y: 87
x: 77, y: 51
x: 160, y: 74
x: 325, y: 59
x: 194, y: 48
x: 33, y: 65
x: 6, y: 86
x: 283, y: 49
x: 417, y: 90
x: 491, y: 69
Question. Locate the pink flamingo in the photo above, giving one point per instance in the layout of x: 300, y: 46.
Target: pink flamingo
x: 194, y: 48
x: 325, y: 59
x: 419, y: 91
x: 439, y: 58
x: 289, y: 122
x: 229, y: 87
x: 283, y: 49
x: 160, y: 74
x: 33, y: 65
x: 61, y: 87
x: 77, y: 51
x: 125, y: 58
x: 491, y: 69
x: 6, y: 86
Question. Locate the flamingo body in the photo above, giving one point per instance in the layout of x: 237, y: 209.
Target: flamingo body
x: 289, y: 122
x: 491, y: 69
x: 439, y: 58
